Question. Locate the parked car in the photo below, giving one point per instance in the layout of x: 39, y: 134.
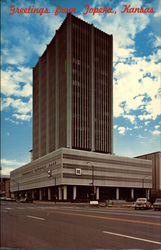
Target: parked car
x: 24, y: 200
x: 142, y: 203
x: 157, y: 204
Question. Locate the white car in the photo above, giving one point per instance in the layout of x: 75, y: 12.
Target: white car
x: 142, y: 203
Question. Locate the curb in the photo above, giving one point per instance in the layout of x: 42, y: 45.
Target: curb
x: 69, y: 204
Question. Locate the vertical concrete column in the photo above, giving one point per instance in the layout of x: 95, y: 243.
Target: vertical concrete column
x: 132, y: 193
x: 47, y: 101
x: 39, y: 113
x: 92, y: 91
x: 33, y: 196
x: 110, y: 102
x: 74, y: 192
x: 56, y: 95
x: 59, y: 193
x: 40, y: 194
x: 97, y: 193
x: 117, y: 193
x: 69, y: 82
x: 148, y: 194
x: 49, y: 193
x: 65, y: 193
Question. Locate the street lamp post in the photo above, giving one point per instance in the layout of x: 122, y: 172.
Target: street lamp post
x: 92, y: 183
x: 51, y: 175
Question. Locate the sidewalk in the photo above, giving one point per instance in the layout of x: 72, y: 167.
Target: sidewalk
x: 86, y: 204
x: 59, y: 203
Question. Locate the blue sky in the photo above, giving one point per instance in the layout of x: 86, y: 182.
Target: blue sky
x: 137, y: 73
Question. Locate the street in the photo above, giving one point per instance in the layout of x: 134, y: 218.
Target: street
x: 26, y: 225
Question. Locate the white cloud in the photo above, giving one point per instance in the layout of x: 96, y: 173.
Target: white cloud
x: 141, y: 137
x: 27, y: 40
x: 121, y: 130
x: 11, y: 162
x: 12, y: 121
x: 6, y: 171
x: 21, y: 46
x: 137, y: 89
x: 9, y: 165
x: 156, y: 132
x: 131, y: 118
x: 158, y: 12
x: 154, y: 107
x: 146, y: 123
x: 18, y: 104
x: 22, y: 110
x: 16, y: 82
x: 145, y: 117
x: 157, y: 42
x: 22, y: 117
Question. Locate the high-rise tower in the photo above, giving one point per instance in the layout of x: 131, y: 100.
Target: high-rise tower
x: 73, y: 91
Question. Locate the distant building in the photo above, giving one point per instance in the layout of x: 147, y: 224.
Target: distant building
x: 156, y: 169
x: 72, y: 124
x: 5, y: 186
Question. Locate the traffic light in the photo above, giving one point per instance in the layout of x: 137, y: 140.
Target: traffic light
x: 49, y: 173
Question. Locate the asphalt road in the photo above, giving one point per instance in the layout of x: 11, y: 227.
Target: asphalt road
x: 54, y: 226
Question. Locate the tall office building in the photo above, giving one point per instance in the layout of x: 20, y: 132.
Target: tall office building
x: 72, y: 124
x: 73, y: 91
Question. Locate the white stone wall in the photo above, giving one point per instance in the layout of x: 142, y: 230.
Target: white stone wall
x: 108, y: 170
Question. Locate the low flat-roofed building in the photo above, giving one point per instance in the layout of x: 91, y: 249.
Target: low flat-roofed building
x: 155, y: 157
x: 69, y: 174
x: 5, y: 186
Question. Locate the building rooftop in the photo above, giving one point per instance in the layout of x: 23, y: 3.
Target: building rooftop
x: 157, y: 152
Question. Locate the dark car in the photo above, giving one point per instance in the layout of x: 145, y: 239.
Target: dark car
x: 157, y: 204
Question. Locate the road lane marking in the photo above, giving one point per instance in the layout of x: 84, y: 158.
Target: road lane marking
x: 131, y: 237
x: 110, y: 212
x: 34, y: 217
x: 25, y: 208
x: 110, y: 218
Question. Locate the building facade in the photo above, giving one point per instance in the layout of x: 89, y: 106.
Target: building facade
x: 72, y: 124
x: 73, y: 90
x: 155, y: 157
x: 69, y: 174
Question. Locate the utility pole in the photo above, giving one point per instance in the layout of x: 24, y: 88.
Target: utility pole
x: 93, y: 177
